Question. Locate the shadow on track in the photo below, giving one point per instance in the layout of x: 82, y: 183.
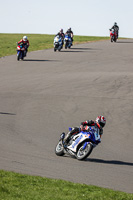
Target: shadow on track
x: 74, y: 50
x: 68, y: 51
x: 3, y: 113
x: 126, y: 42
x: 113, y: 162
x: 84, y: 48
x: 37, y: 60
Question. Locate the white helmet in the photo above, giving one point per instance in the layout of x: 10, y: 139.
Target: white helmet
x: 61, y: 30
x: 101, y: 121
x: 69, y: 28
x: 25, y: 38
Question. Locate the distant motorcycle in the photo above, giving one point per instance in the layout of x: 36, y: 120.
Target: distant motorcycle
x: 67, y: 41
x: 80, y: 145
x: 21, y: 51
x: 113, y: 35
x: 58, y: 44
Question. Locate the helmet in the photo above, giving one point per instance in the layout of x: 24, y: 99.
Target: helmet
x: 101, y: 121
x: 61, y: 30
x: 115, y: 24
x: 25, y: 38
x: 69, y: 28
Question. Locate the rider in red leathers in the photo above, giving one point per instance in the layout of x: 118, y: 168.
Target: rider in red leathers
x: 25, y: 41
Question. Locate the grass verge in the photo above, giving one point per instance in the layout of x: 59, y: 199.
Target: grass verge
x: 37, y: 42
x: 15, y: 186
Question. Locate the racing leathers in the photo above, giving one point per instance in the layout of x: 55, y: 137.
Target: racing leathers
x: 83, y: 127
x: 25, y: 43
x: 69, y: 32
x: 116, y: 29
x: 61, y: 34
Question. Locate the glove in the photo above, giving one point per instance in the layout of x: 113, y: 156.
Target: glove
x: 81, y: 127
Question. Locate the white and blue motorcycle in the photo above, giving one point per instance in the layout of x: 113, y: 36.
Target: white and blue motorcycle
x: 58, y: 44
x: 79, y: 145
x: 67, y: 41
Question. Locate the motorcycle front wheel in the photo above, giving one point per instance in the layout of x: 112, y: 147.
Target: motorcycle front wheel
x: 82, y: 152
x: 59, y: 149
x: 65, y: 45
x: 18, y: 56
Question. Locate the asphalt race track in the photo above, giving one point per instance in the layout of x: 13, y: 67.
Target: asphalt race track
x: 50, y: 91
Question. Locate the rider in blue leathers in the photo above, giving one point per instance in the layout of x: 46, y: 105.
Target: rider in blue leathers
x: 70, y: 32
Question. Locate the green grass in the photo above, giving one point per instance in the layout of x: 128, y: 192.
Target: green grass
x: 15, y: 186
x: 37, y: 42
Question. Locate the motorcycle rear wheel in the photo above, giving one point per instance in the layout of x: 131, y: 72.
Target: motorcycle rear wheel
x: 82, y: 154
x: 59, y: 149
x: 66, y: 46
x: 18, y: 56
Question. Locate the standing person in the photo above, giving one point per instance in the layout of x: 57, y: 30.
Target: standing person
x: 116, y: 29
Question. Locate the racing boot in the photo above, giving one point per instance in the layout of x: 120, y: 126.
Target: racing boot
x: 66, y: 139
x: 69, y: 134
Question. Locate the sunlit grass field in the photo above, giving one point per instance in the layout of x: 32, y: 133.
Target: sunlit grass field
x: 37, y: 42
x: 14, y: 186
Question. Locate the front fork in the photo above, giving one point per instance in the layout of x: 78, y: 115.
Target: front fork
x: 86, y: 143
x: 20, y: 54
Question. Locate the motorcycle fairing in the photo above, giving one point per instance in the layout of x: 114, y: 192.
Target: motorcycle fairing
x: 89, y: 137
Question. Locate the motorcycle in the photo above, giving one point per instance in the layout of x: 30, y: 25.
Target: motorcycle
x: 67, y: 41
x: 80, y: 145
x: 113, y: 35
x: 21, y: 51
x: 58, y: 44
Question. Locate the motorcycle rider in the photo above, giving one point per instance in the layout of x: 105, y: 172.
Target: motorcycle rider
x: 61, y: 34
x: 70, y: 32
x: 25, y: 42
x: 99, y: 123
x: 116, y: 29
